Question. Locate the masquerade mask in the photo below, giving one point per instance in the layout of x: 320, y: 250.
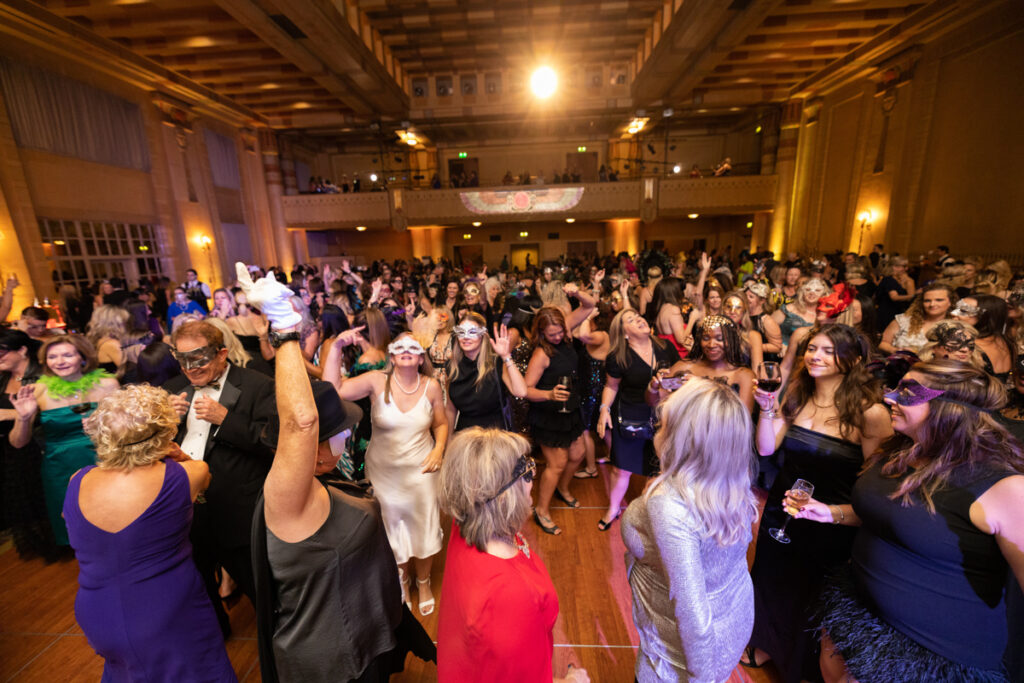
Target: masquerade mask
x: 525, y: 469
x: 472, y: 291
x: 468, y: 330
x: 1016, y: 297
x: 911, y: 393
x: 758, y: 288
x: 963, y: 310
x: 405, y: 345
x: 733, y: 306
x: 196, y: 358
x: 816, y: 286
x: 951, y: 337
x: 836, y: 302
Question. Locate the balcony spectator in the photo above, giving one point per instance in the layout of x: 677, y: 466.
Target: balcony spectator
x: 695, y: 172
x: 474, y: 179
x: 602, y: 174
x: 539, y: 180
x: 344, y: 183
x: 435, y: 182
x: 555, y: 177
x: 574, y: 176
x: 524, y: 179
x: 724, y: 168
x: 508, y: 179
x: 355, y: 182
x: 613, y: 176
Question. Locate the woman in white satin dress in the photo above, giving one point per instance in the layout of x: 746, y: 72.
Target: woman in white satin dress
x: 410, y: 431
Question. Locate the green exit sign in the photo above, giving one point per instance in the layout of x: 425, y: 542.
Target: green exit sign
x: 581, y: 148
x: 462, y: 155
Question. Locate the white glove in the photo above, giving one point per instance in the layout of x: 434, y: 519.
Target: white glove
x: 270, y: 296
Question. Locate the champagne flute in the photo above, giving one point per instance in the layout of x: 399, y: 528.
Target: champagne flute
x: 566, y: 382
x: 801, y: 491
x: 769, y: 377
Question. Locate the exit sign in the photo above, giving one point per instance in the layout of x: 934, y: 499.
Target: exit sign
x: 581, y: 148
x: 462, y: 155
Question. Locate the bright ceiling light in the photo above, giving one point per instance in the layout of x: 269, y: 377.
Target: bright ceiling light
x: 411, y: 141
x: 543, y: 82
x: 476, y: 224
x: 270, y: 86
x: 301, y: 105
x: 373, y: 177
x: 570, y: 220
x: 677, y: 168
x: 691, y: 216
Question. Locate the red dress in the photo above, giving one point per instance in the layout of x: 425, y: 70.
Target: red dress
x: 496, y: 617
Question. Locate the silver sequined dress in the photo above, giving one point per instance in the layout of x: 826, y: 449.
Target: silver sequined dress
x: 693, y: 601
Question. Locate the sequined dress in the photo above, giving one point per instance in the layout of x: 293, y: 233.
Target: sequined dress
x: 591, y: 385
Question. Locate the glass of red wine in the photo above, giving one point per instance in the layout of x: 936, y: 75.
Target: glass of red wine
x: 801, y: 491
x: 769, y: 377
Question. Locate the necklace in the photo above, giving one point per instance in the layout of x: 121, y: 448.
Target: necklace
x: 821, y: 407
x: 520, y: 542
x: 414, y: 389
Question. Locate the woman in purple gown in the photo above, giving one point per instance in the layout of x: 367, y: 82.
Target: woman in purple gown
x: 141, y: 601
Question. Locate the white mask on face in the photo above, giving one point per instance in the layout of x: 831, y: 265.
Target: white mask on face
x: 469, y: 330
x: 405, y: 345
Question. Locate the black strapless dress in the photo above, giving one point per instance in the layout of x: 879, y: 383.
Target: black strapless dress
x: 788, y: 578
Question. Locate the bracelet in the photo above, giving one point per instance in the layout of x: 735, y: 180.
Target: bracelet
x: 507, y: 360
x: 605, y: 406
x: 769, y: 413
x: 842, y: 515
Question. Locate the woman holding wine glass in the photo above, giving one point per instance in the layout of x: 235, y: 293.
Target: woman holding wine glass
x: 940, y: 530
x: 633, y: 361
x: 831, y: 418
x: 554, y: 417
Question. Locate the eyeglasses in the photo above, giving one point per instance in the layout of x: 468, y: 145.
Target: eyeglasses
x: 525, y: 469
x: 196, y: 358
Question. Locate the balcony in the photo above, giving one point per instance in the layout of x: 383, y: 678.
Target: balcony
x: 647, y: 198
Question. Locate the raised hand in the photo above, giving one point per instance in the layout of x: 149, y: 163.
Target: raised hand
x: 705, y: 261
x: 12, y: 282
x: 598, y: 277
x: 570, y: 289
x: 24, y: 402
x: 500, y: 341
x: 765, y: 399
x: 270, y: 296
x: 180, y: 403
x: 350, y: 336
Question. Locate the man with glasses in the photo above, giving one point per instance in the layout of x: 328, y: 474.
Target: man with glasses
x: 224, y: 410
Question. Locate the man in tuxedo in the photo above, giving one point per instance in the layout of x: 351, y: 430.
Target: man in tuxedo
x: 224, y: 409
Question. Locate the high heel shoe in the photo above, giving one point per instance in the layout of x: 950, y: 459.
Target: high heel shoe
x: 549, y: 528
x: 585, y: 474
x: 426, y: 606
x: 605, y: 526
x: 567, y: 499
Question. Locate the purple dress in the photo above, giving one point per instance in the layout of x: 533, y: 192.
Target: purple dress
x: 141, y: 602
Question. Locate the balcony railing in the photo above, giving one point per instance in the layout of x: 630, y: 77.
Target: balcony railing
x: 647, y: 198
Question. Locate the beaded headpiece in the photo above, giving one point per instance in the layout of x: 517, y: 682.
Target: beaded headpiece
x: 712, y: 321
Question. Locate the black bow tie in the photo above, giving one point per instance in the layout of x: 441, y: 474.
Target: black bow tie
x: 211, y: 385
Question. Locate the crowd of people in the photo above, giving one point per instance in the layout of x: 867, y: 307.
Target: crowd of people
x: 298, y: 439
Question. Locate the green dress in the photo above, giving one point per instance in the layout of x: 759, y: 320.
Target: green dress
x: 66, y: 450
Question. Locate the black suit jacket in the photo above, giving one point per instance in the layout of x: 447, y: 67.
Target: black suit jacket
x: 238, y: 461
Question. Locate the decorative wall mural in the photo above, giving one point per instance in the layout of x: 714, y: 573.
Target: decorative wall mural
x: 546, y: 200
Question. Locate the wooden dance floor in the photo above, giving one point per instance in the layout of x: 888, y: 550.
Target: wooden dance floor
x: 40, y: 641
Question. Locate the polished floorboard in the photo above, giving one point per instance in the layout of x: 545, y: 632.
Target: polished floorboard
x: 40, y: 641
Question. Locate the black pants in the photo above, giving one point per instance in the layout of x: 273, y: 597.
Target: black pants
x: 209, y: 555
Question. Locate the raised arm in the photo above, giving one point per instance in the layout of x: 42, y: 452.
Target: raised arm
x: 332, y: 362
x: 510, y: 374
x: 587, y: 304
x: 705, y: 268
x: 26, y: 405
x: 771, y: 428
x: 772, y: 335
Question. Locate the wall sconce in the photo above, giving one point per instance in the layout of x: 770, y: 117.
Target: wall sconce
x: 693, y: 216
x: 207, y: 243
x: 360, y: 228
x: 865, y: 218
x: 476, y: 224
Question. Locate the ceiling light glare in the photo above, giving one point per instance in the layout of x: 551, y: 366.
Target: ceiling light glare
x: 373, y: 177
x: 543, y: 82
x: 677, y: 168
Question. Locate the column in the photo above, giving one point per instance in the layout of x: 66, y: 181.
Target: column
x: 759, y: 232
x: 622, y: 235
x: 785, y: 168
x: 291, y: 185
x: 254, y: 198
x: 272, y: 175
x: 21, y: 244
x: 769, y: 142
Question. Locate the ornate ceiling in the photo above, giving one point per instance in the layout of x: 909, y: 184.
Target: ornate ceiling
x: 460, y: 67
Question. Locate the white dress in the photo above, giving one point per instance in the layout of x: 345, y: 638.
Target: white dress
x: 394, y: 463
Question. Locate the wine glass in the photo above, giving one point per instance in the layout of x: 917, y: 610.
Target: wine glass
x: 566, y: 382
x: 769, y: 376
x: 800, y: 491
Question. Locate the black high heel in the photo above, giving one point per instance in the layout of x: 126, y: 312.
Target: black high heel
x: 605, y: 526
x: 546, y: 528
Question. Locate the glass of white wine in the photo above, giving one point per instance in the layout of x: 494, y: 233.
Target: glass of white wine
x: 801, y: 491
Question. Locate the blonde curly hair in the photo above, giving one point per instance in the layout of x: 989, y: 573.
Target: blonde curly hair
x: 132, y: 427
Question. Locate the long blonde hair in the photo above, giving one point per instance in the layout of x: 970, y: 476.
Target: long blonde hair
x: 107, y: 322
x: 705, y: 444
x: 484, y: 359
x: 236, y: 352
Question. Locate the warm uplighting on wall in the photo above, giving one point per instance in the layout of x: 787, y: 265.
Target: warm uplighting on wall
x: 361, y: 228
x: 270, y: 86
x: 693, y: 216
x: 301, y: 105
x: 205, y: 241
x: 865, y: 218
x: 199, y: 41
x: 476, y: 224
x: 543, y: 82
x: 570, y: 220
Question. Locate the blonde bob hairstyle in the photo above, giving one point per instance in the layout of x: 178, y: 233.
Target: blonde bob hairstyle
x: 477, y: 464
x: 132, y: 427
x: 705, y: 444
